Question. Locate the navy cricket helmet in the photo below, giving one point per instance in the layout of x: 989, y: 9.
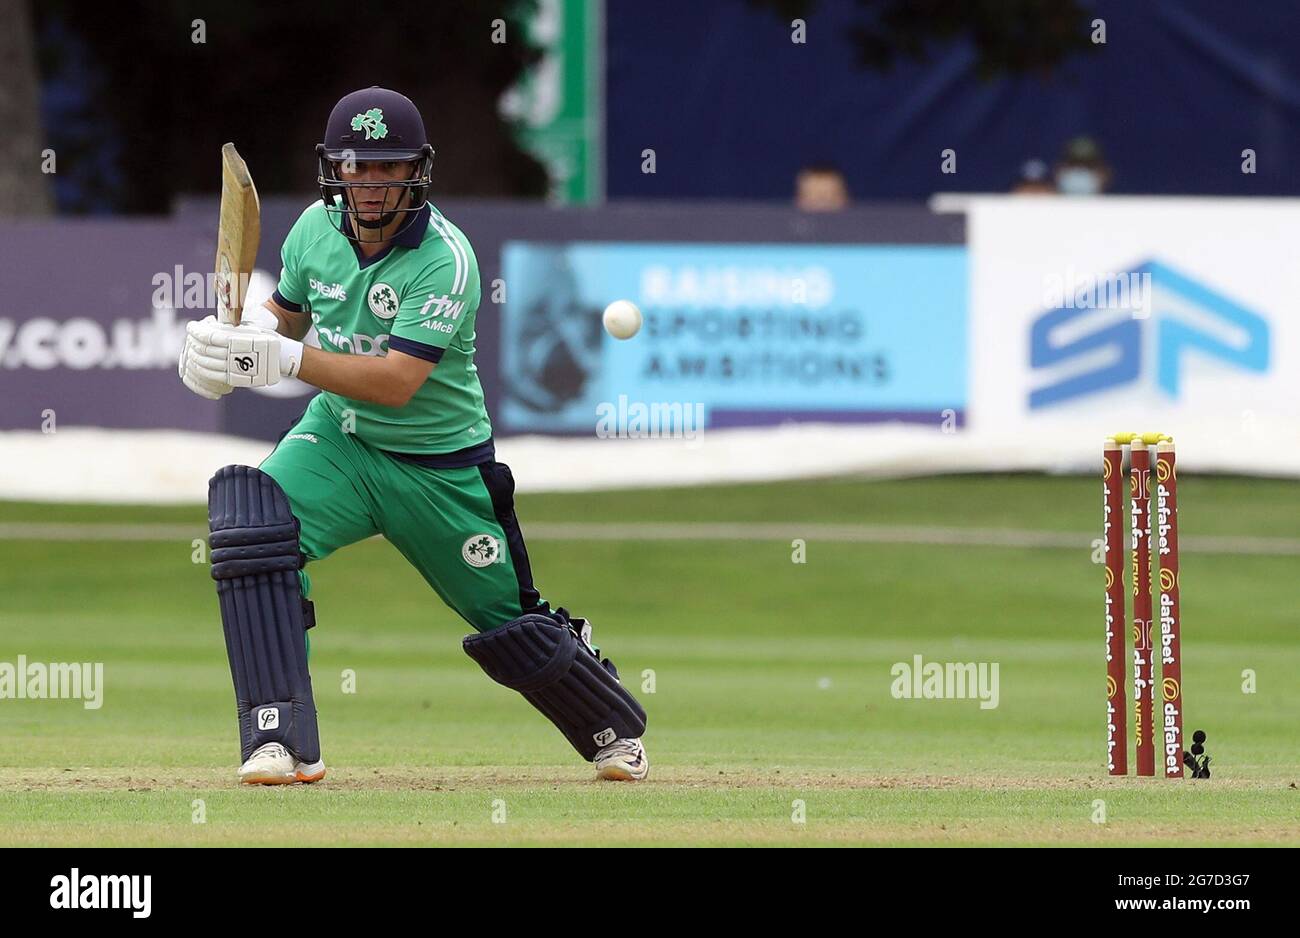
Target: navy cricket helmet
x: 373, y: 125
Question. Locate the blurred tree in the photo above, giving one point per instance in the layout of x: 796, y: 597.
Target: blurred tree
x: 1009, y: 36
x: 175, y: 81
x: 24, y: 188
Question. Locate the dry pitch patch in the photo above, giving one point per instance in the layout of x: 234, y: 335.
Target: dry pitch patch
x: 537, y: 806
x: 407, y: 778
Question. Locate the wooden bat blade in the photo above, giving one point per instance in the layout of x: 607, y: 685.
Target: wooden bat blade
x: 238, y: 233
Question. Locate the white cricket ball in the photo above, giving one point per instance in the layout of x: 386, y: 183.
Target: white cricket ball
x: 622, y: 319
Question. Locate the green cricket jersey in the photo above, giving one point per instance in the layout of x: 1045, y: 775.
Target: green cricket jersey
x: 420, y: 296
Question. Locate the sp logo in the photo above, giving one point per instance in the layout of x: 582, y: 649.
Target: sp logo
x: 1077, y: 351
x: 244, y: 363
x: 268, y: 718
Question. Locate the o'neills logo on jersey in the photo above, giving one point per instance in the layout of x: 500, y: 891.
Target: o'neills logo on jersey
x: 330, y: 291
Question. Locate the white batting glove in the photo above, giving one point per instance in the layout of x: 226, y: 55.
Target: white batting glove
x: 243, y: 356
x: 190, y: 377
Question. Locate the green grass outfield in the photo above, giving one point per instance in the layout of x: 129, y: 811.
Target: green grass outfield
x: 772, y: 678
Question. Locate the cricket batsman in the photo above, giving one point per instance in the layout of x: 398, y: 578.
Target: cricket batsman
x: 397, y: 443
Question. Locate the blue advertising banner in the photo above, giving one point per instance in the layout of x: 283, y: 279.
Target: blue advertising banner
x: 750, y: 334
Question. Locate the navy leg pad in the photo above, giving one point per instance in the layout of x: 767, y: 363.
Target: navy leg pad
x: 558, y: 674
x: 255, y: 561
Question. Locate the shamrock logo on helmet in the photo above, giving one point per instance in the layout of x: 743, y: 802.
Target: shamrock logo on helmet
x: 372, y: 122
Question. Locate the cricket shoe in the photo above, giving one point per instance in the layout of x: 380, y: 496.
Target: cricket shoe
x: 272, y: 764
x: 623, y: 760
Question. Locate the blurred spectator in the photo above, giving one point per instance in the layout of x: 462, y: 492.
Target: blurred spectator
x: 821, y: 188
x: 1082, y: 170
x: 1035, y: 179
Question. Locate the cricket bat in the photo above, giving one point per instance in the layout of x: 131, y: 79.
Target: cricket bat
x: 237, y: 235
